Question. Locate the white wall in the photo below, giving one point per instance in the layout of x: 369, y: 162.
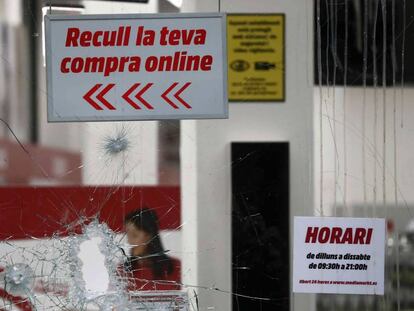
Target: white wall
x: 205, y: 156
x: 14, y: 71
x: 11, y: 12
x: 106, y: 7
x: 140, y: 165
x: 360, y: 176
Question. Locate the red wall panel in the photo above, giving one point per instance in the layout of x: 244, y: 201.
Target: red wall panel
x: 45, y: 211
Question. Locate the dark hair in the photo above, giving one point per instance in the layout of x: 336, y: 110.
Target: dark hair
x: 146, y: 220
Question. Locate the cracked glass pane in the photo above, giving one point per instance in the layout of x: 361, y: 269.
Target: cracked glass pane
x: 198, y: 215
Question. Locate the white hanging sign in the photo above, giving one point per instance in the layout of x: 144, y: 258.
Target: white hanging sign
x: 338, y: 255
x: 136, y: 67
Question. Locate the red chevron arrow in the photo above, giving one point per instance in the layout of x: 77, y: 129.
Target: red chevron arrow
x: 164, y: 96
x: 100, y: 97
x: 176, y: 95
x: 140, y: 93
x: 127, y: 93
x: 137, y: 96
x: 88, y: 98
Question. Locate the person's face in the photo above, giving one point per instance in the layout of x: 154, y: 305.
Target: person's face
x: 138, y: 239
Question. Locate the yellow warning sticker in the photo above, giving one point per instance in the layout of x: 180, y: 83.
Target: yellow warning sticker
x: 256, y: 57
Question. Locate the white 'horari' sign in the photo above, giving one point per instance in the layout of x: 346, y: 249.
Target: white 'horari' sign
x: 338, y: 255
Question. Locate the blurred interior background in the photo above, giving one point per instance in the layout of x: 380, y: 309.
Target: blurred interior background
x: 341, y: 144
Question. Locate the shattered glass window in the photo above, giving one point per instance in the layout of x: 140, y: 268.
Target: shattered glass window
x: 198, y: 215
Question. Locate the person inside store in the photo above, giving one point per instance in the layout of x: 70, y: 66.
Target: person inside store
x: 148, y: 267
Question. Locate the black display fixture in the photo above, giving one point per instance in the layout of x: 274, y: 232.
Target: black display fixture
x: 260, y: 226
